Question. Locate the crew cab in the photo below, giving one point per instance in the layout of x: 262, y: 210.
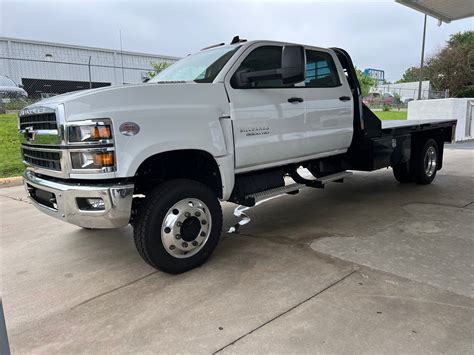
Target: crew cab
x: 230, y: 123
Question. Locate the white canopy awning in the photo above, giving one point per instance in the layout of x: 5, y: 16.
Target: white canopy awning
x: 443, y: 10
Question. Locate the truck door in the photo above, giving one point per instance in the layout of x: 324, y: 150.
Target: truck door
x: 268, y: 117
x: 328, y: 103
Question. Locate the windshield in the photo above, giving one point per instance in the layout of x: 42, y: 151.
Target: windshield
x: 201, y: 67
x: 4, y: 81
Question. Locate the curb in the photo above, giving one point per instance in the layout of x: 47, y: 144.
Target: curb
x: 11, y: 181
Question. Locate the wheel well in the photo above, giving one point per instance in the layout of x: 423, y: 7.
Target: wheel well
x: 196, y: 165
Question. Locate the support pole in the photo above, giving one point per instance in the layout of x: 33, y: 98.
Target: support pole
x: 90, y: 79
x: 121, y: 56
x: 422, y: 58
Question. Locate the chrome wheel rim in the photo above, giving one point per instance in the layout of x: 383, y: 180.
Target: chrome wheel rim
x: 430, y: 161
x: 186, y: 228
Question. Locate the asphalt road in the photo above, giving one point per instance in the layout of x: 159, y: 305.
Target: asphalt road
x: 366, y: 266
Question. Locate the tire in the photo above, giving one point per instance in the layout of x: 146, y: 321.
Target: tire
x: 178, y: 226
x: 402, y: 173
x: 424, y: 162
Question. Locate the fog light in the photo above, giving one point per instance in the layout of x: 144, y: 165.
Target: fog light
x: 91, y: 204
x: 96, y: 203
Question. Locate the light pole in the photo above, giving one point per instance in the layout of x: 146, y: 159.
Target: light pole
x: 90, y: 79
x: 422, y: 59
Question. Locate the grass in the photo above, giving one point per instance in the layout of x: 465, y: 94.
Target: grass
x: 391, y: 115
x: 10, y: 157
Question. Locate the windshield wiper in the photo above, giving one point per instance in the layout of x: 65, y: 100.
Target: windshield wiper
x: 171, y: 82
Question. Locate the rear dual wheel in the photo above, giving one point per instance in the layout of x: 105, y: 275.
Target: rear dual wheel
x: 422, y: 166
x: 178, y: 226
x: 402, y: 173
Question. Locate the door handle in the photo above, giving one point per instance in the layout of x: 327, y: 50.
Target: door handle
x: 345, y: 98
x: 295, y: 99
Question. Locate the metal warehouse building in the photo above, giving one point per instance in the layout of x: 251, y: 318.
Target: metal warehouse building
x: 45, y: 69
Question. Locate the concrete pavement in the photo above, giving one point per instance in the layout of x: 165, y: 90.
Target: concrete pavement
x: 366, y: 266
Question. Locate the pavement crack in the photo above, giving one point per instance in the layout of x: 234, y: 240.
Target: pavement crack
x: 414, y: 299
x: 16, y: 199
x: 113, y: 290
x: 434, y: 204
x: 287, y: 311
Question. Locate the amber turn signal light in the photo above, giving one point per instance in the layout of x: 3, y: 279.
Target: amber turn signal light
x: 101, y: 132
x: 104, y: 159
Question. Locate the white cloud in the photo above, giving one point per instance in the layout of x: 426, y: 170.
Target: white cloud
x: 378, y: 34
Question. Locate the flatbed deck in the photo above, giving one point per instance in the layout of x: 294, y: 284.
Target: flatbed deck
x: 409, y: 126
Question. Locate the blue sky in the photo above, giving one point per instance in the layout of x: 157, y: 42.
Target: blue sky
x: 378, y: 34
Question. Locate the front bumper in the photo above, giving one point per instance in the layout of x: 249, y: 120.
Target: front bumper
x: 63, y: 203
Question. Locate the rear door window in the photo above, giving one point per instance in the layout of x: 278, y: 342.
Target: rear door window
x: 321, y: 72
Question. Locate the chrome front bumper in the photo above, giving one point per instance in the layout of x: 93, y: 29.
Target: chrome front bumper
x: 117, y: 201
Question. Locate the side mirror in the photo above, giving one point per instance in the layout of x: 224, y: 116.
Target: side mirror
x: 292, y: 71
x: 293, y: 64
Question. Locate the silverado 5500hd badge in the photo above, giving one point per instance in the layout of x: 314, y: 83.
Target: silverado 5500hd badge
x: 255, y: 131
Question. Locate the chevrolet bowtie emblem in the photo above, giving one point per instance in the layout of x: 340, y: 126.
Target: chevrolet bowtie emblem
x: 29, y: 134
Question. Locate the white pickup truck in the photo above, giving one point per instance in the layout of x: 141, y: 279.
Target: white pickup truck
x: 232, y: 123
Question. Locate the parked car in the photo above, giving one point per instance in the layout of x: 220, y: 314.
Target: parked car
x: 388, y: 99
x: 372, y: 99
x: 228, y: 123
x: 375, y: 98
x: 10, y: 90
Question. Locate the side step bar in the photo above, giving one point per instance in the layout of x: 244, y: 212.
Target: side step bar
x: 253, y: 199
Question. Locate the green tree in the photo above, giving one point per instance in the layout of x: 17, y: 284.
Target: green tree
x: 365, y: 82
x: 411, y: 74
x: 157, y: 67
x: 450, y: 68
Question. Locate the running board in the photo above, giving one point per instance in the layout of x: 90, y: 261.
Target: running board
x: 337, y: 177
x: 253, y: 199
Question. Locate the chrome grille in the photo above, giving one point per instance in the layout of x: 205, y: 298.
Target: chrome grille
x: 41, y: 158
x: 39, y: 121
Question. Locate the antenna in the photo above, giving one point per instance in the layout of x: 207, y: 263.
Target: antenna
x: 237, y: 39
x: 121, y: 56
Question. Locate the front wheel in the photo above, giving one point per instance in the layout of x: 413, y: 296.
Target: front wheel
x: 178, y: 226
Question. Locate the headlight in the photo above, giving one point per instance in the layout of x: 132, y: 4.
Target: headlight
x: 94, y: 132
x: 92, y: 160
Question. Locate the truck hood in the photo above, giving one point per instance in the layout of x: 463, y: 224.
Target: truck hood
x: 63, y: 98
x: 110, y: 101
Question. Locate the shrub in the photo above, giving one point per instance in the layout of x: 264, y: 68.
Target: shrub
x: 467, y: 92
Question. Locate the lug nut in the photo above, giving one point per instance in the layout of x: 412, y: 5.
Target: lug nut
x: 197, y: 214
x: 167, y: 230
x: 204, y: 222
x: 177, y: 236
x: 187, y: 215
x: 195, y: 243
x: 179, y: 224
x: 184, y: 245
x: 203, y: 234
x: 172, y: 247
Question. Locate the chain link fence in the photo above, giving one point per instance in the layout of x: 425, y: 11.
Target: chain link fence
x: 399, y: 95
x: 31, y: 71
